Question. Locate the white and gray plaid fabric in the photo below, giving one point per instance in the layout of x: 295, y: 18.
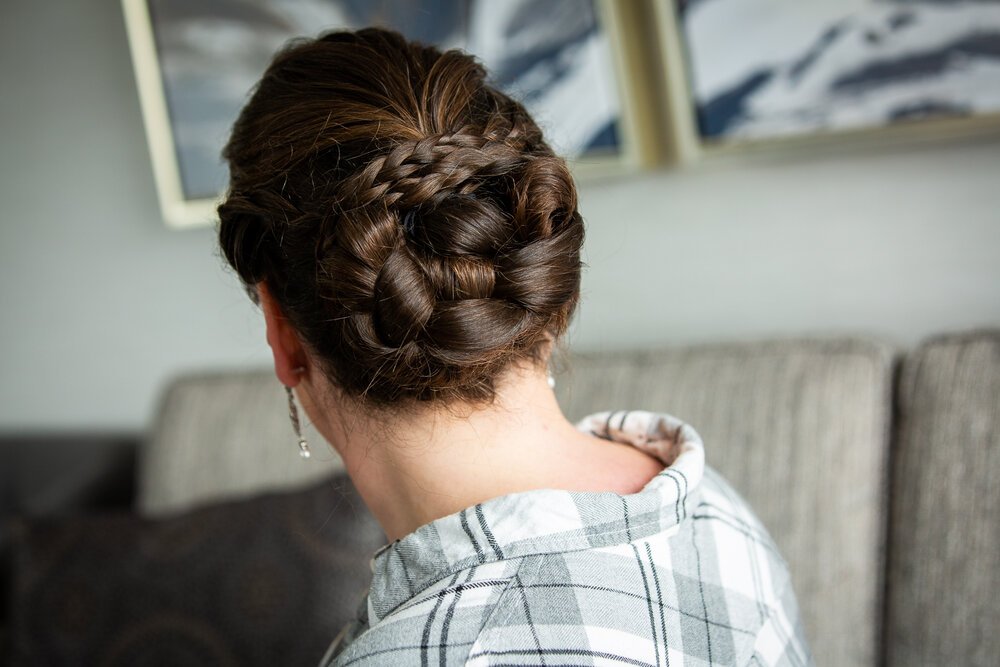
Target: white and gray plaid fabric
x: 681, y: 573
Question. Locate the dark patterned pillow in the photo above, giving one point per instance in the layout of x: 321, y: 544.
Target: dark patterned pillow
x: 266, y: 581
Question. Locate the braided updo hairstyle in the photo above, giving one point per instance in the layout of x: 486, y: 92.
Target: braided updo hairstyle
x: 408, y: 219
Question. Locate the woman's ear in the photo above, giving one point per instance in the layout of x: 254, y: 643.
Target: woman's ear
x: 290, y: 360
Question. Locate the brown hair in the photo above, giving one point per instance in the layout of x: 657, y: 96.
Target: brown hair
x: 408, y: 218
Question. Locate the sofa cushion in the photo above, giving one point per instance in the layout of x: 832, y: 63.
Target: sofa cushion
x: 265, y: 581
x: 942, y: 606
x: 225, y: 436
x: 800, y: 428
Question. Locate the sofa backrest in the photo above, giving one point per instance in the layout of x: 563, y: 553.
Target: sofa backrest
x: 225, y: 436
x: 944, y: 546
x: 800, y: 428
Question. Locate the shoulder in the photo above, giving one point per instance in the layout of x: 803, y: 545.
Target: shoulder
x: 712, y: 589
x: 701, y: 594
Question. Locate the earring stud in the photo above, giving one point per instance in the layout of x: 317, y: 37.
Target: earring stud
x: 293, y: 414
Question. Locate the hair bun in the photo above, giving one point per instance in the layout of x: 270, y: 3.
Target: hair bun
x: 419, y: 234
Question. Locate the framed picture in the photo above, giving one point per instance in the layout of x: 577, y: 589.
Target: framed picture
x: 749, y: 70
x: 196, y: 63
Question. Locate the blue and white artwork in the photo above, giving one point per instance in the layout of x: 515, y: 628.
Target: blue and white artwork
x: 553, y: 55
x: 768, y: 68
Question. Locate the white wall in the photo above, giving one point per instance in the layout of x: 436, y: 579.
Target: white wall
x: 101, y: 303
x: 900, y: 244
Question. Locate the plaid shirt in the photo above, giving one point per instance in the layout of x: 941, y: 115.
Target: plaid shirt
x: 681, y: 573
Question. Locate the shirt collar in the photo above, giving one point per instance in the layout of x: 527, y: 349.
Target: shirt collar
x: 547, y: 520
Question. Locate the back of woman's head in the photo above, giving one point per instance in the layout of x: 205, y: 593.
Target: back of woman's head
x: 407, y: 218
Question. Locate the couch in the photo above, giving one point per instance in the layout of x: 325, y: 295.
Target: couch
x: 876, y: 472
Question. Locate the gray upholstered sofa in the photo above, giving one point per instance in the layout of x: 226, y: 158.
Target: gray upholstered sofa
x: 877, y: 473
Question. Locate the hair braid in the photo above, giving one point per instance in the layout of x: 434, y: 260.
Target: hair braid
x: 430, y: 169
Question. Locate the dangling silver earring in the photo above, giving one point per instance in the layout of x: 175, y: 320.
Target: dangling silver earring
x: 552, y: 380
x: 293, y: 414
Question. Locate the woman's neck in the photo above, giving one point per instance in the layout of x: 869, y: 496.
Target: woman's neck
x: 424, y: 466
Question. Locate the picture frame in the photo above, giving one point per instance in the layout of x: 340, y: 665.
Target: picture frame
x: 187, y: 118
x: 683, y: 111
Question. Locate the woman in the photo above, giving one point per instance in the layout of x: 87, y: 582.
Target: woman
x: 415, y: 247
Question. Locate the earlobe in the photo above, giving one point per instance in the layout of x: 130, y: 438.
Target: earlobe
x: 290, y: 361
